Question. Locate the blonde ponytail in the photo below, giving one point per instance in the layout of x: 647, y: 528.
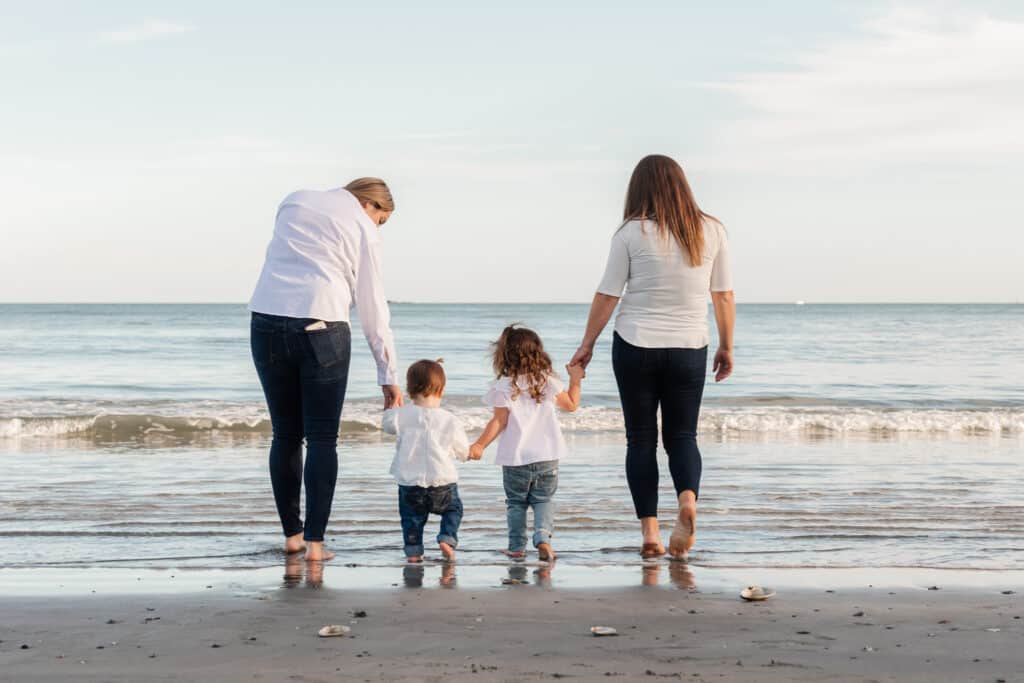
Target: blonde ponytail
x: 373, y: 191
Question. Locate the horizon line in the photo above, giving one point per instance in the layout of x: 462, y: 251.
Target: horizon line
x: 780, y: 302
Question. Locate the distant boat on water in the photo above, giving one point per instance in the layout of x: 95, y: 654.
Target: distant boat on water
x: 799, y: 303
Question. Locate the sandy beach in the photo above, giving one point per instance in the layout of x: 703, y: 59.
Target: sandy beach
x: 469, y: 625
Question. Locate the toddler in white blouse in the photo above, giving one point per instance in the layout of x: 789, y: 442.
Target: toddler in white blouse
x: 525, y: 399
x: 430, y: 440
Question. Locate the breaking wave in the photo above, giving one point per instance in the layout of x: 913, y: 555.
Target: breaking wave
x: 113, y: 422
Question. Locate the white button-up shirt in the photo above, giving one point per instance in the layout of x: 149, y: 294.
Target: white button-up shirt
x: 430, y: 440
x: 325, y: 257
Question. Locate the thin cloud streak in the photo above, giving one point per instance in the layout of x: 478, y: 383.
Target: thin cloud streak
x: 151, y: 29
x: 914, y: 88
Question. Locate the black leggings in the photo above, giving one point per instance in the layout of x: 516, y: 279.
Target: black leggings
x: 674, y: 380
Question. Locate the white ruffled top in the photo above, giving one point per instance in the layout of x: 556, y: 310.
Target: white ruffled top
x: 533, y: 433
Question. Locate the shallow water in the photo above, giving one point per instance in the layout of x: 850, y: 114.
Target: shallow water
x: 851, y: 436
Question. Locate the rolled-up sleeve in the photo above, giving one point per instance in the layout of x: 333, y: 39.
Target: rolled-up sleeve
x: 616, y: 272
x: 374, y: 314
x: 721, y: 268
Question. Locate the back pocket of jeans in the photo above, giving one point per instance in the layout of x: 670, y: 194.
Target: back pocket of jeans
x: 328, y: 346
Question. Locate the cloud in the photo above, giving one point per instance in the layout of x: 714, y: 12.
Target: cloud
x: 148, y: 30
x: 912, y: 87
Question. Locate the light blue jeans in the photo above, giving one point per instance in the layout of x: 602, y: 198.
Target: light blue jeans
x: 527, y: 486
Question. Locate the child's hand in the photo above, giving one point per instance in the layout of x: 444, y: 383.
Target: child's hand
x: 576, y: 372
x: 476, y: 451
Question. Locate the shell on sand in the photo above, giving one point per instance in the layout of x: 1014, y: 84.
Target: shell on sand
x: 603, y: 631
x: 333, y: 631
x: 755, y: 593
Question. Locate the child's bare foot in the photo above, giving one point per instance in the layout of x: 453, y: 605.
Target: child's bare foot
x: 683, y: 535
x: 545, y: 553
x: 447, y: 551
x: 294, y: 544
x: 515, y: 554
x: 416, y: 559
x: 316, y: 552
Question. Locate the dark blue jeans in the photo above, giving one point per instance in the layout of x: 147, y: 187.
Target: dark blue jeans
x: 416, y: 503
x: 304, y: 375
x: 672, y: 379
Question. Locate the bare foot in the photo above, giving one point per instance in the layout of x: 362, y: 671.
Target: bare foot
x: 683, y: 535
x: 447, y: 551
x: 448, y: 575
x: 652, y: 546
x: 515, y: 554
x: 417, y: 559
x: 545, y: 553
x: 316, y: 552
x: 294, y: 544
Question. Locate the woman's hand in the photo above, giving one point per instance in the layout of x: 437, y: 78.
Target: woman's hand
x: 476, y: 451
x: 392, y: 396
x: 582, y: 357
x: 723, y: 364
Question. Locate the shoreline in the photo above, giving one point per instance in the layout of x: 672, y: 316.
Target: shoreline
x: 464, y: 631
x: 563, y: 575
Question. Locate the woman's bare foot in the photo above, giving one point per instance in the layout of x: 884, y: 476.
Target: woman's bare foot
x: 652, y: 546
x: 515, y: 554
x: 545, y: 553
x: 416, y: 559
x: 294, y: 544
x: 316, y: 552
x: 447, y: 551
x: 683, y: 535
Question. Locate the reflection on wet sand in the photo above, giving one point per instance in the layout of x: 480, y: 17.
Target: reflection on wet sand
x: 296, y: 568
x: 679, y: 574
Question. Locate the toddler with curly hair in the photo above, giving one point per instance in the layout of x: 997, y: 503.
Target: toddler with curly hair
x: 524, y: 398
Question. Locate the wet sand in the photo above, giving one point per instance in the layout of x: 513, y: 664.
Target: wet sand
x: 429, y: 625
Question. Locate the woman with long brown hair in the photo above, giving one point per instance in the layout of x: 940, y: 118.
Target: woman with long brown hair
x: 667, y: 255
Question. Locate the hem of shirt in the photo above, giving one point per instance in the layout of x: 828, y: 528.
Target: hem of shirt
x: 527, y: 462
x: 683, y: 342
x: 265, y: 310
x: 427, y: 486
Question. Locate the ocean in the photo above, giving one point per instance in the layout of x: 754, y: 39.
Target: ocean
x: 849, y: 436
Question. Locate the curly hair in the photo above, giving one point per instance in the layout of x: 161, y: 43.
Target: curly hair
x: 519, y: 352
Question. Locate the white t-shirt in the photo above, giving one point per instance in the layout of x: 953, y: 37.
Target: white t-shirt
x: 666, y: 299
x: 430, y: 440
x: 325, y: 256
x: 532, y: 433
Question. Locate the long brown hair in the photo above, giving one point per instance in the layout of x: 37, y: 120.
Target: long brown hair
x: 658, y: 191
x: 519, y: 352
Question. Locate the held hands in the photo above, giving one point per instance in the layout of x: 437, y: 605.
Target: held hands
x: 392, y: 396
x: 582, y: 357
x: 476, y: 451
x: 576, y: 372
x: 723, y: 364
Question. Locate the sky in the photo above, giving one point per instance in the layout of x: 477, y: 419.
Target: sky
x: 855, y: 151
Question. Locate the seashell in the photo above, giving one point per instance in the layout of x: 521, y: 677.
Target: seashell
x: 755, y: 593
x: 603, y: 631
x: 334, y: 631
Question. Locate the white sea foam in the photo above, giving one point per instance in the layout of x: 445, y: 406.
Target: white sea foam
x: 157, y: 419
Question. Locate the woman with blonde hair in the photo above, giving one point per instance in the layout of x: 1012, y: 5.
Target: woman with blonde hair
x: 667, y: 255
x: 323, y: 258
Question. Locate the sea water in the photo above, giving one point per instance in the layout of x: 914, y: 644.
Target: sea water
x: 849, y: 436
